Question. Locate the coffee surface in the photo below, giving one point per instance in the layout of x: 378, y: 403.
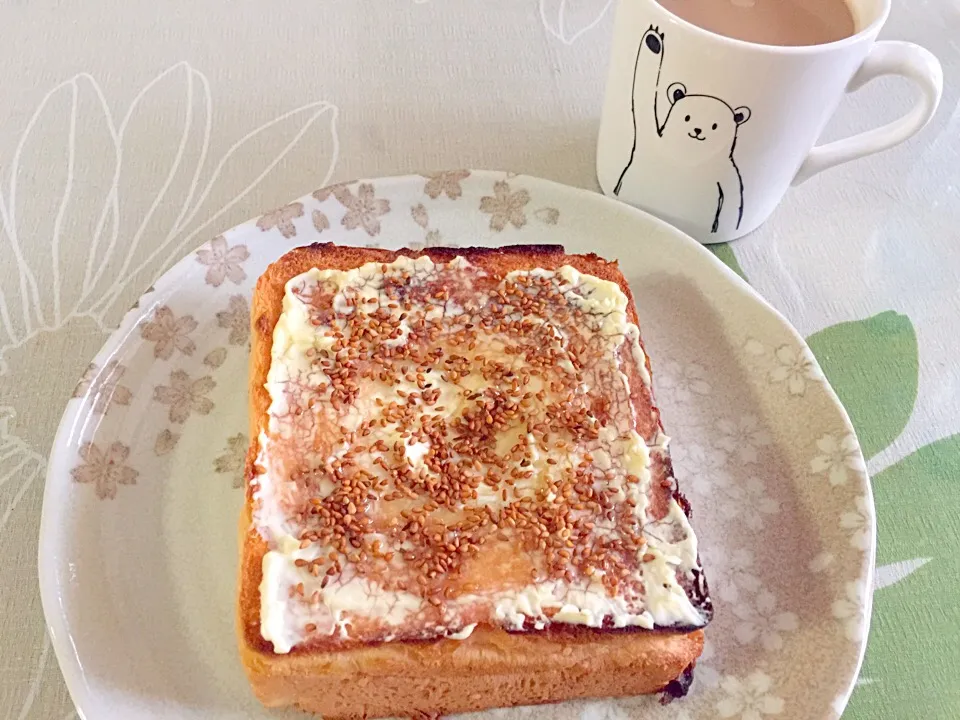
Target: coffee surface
x: 770, y: 22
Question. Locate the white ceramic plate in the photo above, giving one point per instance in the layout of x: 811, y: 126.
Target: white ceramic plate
x: 138, y: 551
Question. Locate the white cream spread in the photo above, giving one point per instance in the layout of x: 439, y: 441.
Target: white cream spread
x: 351, y: 600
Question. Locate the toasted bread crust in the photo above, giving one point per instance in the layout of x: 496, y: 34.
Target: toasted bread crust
x: 492, y: 667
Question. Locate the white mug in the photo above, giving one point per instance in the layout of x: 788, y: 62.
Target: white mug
x: 709, y: 132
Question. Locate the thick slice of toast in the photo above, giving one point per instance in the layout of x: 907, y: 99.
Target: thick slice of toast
x: 459, y: 494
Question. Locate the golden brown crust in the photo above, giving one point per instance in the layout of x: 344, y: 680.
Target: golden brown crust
x: 490, y: 668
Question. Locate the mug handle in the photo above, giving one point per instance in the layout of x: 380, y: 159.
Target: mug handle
x: 885, y: 58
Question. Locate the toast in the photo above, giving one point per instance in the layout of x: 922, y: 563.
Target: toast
x: 459, y: 494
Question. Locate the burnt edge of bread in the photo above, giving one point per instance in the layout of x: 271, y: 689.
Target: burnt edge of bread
x: 557, y: 631
x: 678, y: 687
x: 697, y: 590
x: 451, y: 251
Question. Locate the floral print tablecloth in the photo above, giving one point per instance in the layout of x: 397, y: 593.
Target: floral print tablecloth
x: 132, y: 132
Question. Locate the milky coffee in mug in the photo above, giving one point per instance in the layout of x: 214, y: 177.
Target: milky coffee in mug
x: 713, y: 107
x: 769, y: 22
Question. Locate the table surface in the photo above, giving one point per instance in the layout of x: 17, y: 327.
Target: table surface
x: 162, y: 123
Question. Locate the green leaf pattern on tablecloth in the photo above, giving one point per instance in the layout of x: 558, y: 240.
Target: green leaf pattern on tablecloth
x: 872, y: 365
x: 892, y: 573
x: 724, y: 254
x: 912, y: 656
x: 914, y: 649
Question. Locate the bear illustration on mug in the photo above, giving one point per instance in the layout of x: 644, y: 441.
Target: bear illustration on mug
x: 699, y: 132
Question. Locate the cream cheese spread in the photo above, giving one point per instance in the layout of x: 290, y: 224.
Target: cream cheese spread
x: 446, y: 449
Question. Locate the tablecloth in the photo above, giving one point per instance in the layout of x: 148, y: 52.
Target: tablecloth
x: 139, y: 129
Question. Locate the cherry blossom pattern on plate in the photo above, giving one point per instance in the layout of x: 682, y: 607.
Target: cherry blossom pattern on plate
x: 282, y: 219
x: 505, y: 207
x: 748, y: 503
x: 105, y: 469
x: 236, y: 319
x: 849, y: 609
x: 223, y: 261
x: 445, y: 183
x: 420, y: 215
x: 547, y: 215
x: 857, y: 524
x: 734, y: 576
x: 789, y: 366
x: 753, y: 492
x: 215, y: 358
x: 750, y: 698
x: 364, y: 209
x: 597, y: 710
x: 527, y: 712
x: 169, y: 333
x: 705, y: 673
x: 822, y: 563
x: 185, y: 396
x: 761, y: 620
x: 320, y: 221
x: 324, y: 193
x: 432, y: 238
x: 742, y: 438
x: 838, y: 457
x: 233, y: 458
x: 693, y: 421
x: 795, y: 367
x: 104, y: 386
x: 682, y: 384
x: 702, y: 467
x: 166, y: 441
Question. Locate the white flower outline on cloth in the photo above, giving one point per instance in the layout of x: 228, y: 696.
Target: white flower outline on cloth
x: 849, y: 610
x: 837, y: 457
x: 750, y: 698
x: 795, y: 366
x: 761, y: 620
x: 858, y: 524
x: 131, y: 183
x: 742, y: 438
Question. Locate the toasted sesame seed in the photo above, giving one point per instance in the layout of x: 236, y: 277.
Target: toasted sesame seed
x: 523, y: 389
